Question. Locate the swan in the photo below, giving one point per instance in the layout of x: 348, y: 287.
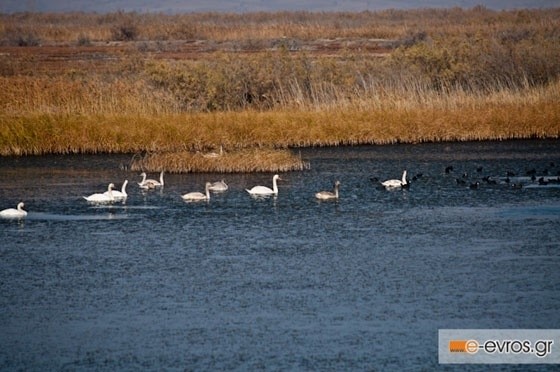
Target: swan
x: 198, y: 196
x: 102, y: 198
x: 392, y: 184
x: 263, y: 190
x: 214, y: 154
x: 150, y: 183
x: 219, y: 186
x: 326, y: 195
x: 14, y: 213
x: 119, y: 195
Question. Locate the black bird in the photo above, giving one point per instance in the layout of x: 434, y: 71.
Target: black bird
x: 531, y: 172
x: 474, y: 186
x: 542, y: 181
x: 479, y: 169
x: 517, y: 185
x: 490, y: 181
x: 510, y: 174
x: 417, y: 176
x: 449, y: 169
x: 460, y: 181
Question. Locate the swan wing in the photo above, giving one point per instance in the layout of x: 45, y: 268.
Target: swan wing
x: 194, y: 196
x: 11, y: 212
x: 392, y: 183
x: 218, y: 186
x: 261, y: 190
x: 325, y: 195
x: 116, y: 194
x: 98, y: 198
x: 152, y: 183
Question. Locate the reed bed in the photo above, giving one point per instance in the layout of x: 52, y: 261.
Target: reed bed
x: 522, y: 115
x: 245, y: 160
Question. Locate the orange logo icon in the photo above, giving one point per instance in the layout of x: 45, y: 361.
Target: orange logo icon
x: 463, y: 346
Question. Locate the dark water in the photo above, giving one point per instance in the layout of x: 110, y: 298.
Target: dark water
x: 284, y: 283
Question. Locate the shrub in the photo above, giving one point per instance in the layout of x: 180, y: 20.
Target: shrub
x: 125, y: 32
x: 84, y: 40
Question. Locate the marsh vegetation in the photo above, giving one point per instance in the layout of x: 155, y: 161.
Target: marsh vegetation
x: 188, y: 83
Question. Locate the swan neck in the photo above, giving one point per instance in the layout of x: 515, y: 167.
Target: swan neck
x: 274, y: 185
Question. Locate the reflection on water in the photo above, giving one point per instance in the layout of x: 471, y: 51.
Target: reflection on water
x: 284, y: 282
x: 68, y: 217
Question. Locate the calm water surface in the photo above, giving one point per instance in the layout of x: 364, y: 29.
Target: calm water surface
x: 286, y: 283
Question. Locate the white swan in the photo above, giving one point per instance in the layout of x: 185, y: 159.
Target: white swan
x: 150, y: 183
x: 102, y: 198
x: 198, y: 196
x: 393, y: 184
x: 219, y: 186
x: 119, y: 195
x: 14, y: 213
x: 263, y: 190
x: 326, y: 195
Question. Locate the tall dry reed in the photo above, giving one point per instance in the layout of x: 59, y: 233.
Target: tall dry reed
x: 528, y: 113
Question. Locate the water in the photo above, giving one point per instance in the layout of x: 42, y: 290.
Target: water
x: 286, y: 283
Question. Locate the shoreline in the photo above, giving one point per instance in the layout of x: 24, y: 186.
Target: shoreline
x: 254, y: 159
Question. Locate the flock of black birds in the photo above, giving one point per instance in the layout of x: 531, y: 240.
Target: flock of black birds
x: 512, y: 179
x: 544, y: 179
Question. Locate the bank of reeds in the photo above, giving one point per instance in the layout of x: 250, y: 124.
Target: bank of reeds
x: 529, y: 113
x: 244, y: 160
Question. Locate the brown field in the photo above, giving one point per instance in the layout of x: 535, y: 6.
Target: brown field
x: 175, y: 85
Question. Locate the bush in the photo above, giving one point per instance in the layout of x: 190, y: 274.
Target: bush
x: 125, y: 32
x: 84, y: 40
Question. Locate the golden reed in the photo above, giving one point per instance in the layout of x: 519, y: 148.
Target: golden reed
x: 246, y: 160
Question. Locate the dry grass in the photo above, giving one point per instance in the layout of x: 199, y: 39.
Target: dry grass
x: 529, y: 113
x: 247, y: 160
x: 388, y: 24
x: 258, y: 83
